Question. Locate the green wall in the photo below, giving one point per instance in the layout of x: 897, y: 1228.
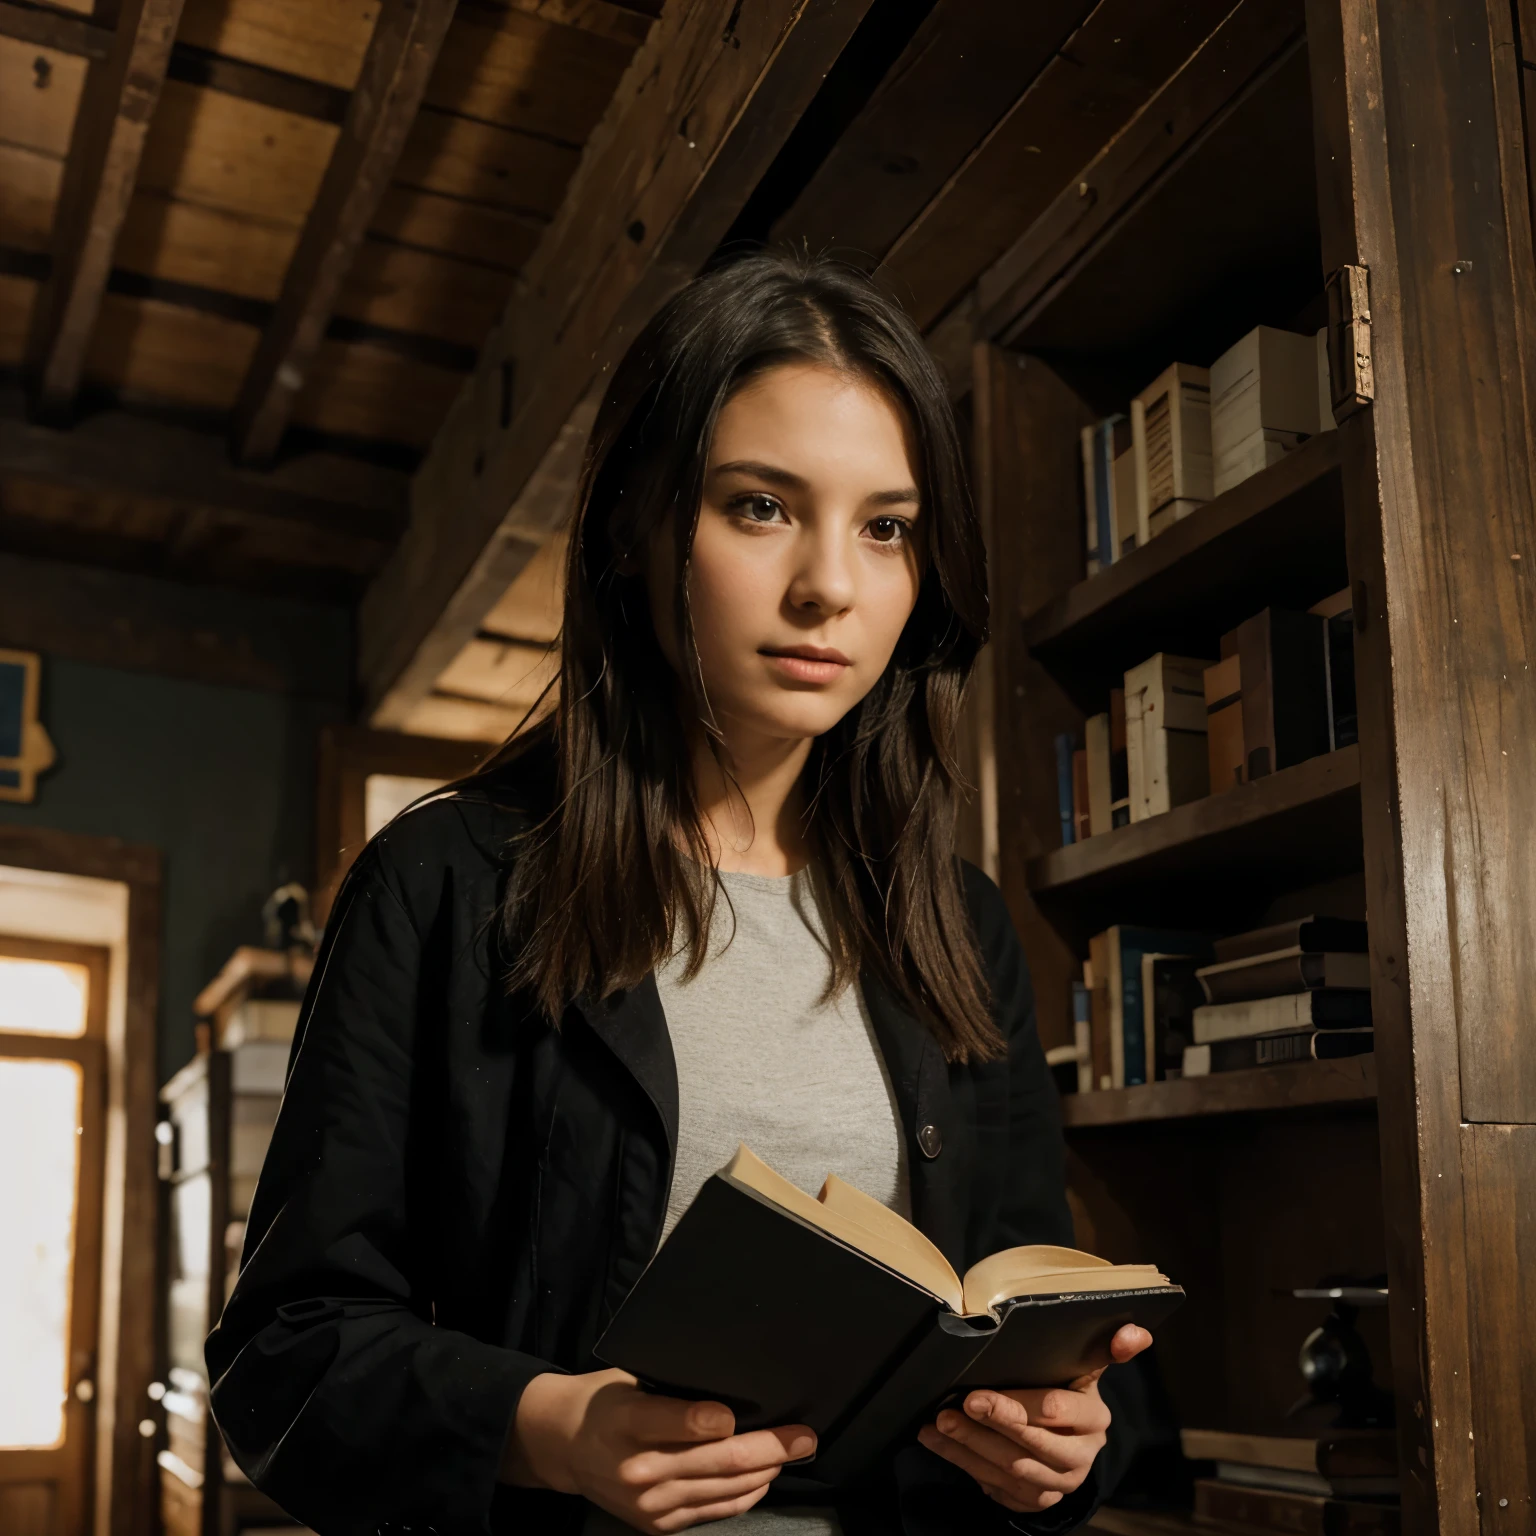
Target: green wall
x: 220, y: 779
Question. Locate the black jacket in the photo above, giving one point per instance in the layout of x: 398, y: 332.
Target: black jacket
x: 458, y: 1196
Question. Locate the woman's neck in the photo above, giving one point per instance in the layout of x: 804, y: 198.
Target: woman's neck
x: 752, y: 803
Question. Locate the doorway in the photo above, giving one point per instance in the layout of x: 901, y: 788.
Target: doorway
x: 53, y: 1011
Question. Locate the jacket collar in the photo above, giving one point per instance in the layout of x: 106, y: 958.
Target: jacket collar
x: 634, y: 1028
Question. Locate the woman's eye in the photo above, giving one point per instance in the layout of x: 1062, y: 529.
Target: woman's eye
x: 759, y: 509
x: 888, y: 530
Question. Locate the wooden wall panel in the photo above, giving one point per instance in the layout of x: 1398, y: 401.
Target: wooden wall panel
x: 500, y: 672
x: 440, y: 714
x: 363, y: 391
x: 464, y: 158
x: 39, y: 96
x: 497, y: 237
x: 17, y: 296
x: 1026, y: 469
x: 148, y: 350
x: 31, y: 180
x: 319, y: 41
x: 1499, y: 1170
x: 240, y: 156
x: 526, y: 73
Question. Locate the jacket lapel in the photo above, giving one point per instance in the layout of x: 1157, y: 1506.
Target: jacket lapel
x: 920, y: 1078
x: 632, y: 1025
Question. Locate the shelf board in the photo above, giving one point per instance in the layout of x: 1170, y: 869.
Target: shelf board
x: 1150, y: 1522
x: 1296, y: 1085
x: 1276, y: 538
x: 1291, y: 828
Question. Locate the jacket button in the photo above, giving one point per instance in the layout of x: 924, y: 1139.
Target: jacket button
x: 930, y: 1141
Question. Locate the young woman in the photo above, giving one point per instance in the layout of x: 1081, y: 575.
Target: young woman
x: 715, y: 898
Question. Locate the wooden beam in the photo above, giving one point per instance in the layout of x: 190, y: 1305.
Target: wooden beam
x: 120, y: 96
x: 55, y: 29
x: 1256, y: 39
x: 115, y: 452
x: 704, y: 107
x: 964, y: 68
x: 145, y: 624
x: 406, y: 40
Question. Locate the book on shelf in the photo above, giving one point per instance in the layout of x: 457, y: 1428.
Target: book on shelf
x: 1250, y: 1051
x: 1171, y: 436
x: 1264, y: 403
x: 1298, y: 1514
x: 1097, y: 754
x: 1066, y: 744
x: 1283, y: 970
x: 1337, y: 614
x: 1170, y: 993
x: 1222, y: 684
x: 1343, y: 1463
x: 1166, y: 761
x: 1275, y: 1015
x: 1119, y: 768
x: 1096, y: 979
x: 1109, y: 490
x: 1123, y: 947
x: 1344, y: 935
x: 1082, y: 1033
x: 1082, y: 828
x: 1284, y: 689
x: 835, y: 1312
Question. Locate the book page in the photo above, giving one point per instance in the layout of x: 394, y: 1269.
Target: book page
x: 1046, y: 1271
x: 907, y: 1252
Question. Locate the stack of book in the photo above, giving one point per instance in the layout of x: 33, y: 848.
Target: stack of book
x: 1194, y: 432
x: 1185, y: 727
x: 1340, y: 1483
x: 1296, y: 991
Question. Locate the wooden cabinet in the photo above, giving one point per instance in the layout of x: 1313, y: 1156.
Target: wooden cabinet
x: 1301, y: 149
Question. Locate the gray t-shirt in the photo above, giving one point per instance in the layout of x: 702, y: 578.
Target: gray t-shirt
x: 762, y: 1059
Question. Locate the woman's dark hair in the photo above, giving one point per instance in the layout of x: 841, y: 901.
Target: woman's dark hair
x: 605, y: 879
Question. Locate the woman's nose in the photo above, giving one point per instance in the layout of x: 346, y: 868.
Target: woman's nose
x: 823, y: 578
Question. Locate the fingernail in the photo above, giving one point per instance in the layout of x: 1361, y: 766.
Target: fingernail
x: 949, y: 1422
x: 802, y: 1445
x: 712, y: 1423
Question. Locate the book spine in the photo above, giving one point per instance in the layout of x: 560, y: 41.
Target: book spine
x: 1100, y: 775
x: 1082, y: 1034
x: 1090, y: 500
x: 1116, y: 1011
x: 1098, y: 980
x: 1065, y: 746
x: 1296, y: 1513
x: 1081, y: 823
x: 1103, y: 481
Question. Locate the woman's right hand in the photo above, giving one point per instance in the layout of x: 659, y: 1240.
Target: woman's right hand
x: 658, y: 1463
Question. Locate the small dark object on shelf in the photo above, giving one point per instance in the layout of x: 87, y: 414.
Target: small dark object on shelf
x: 286, y: 921
x: 1334, y: 1360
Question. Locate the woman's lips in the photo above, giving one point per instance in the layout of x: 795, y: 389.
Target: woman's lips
x: 809, y: 664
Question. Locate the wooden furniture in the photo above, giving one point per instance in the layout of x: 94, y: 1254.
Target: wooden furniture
x: 220, y: 1109
x: 1374, y: 155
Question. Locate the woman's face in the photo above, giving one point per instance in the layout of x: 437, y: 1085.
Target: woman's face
x: 808, y: 553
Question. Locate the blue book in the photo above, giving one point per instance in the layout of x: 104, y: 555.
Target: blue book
x: 1103, y: 489
x: 1066, y: 745
x: 1127, y: 1007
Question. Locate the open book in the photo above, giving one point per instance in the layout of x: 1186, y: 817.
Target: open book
x: 835, y: 1312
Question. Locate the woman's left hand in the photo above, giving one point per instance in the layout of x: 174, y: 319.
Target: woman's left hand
x: 1029, y: 1449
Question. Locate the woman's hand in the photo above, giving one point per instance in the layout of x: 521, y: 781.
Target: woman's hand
x: 1029, y: 1450
x: 658, y: 1463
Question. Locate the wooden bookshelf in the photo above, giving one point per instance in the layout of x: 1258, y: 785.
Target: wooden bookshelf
x: 1296, y: 826
x: 1276, y: 538
x: 1295, y: 1086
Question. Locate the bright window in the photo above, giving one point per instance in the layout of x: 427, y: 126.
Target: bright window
x: 42, y: 997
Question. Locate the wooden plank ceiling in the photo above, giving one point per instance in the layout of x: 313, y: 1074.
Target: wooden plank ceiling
x: 393, y: 310
x: 200, y: 210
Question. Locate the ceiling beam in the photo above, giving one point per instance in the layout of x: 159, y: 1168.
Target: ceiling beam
x: 55, y: 29
x: 118, y: 453
x: 401, y: 55
x: 705, y: 106
x: 119, y: 99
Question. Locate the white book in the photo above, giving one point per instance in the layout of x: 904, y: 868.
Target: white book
x: 1165, y: 734
x: 259, y: 1066
x: 1264, y: 402
x: 1171, y: 436
x: 260, y: 1018
x: 1260, y: 1016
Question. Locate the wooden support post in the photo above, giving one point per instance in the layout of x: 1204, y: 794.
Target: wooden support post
x: 401, y: 56
x: 703, y: 109
x: 120, y: 96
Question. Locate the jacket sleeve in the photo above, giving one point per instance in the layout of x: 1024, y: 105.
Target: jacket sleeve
x: 1033, y: 1210
x: 334, y: 1391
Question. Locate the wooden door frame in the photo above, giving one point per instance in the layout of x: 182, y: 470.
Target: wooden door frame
x: 88, y: 1051
x: 128, y: 1490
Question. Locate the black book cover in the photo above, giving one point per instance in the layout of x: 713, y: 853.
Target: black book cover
x: 1280, y: 975
x: 749, y: 1305
x: 1340, y: 935
x: 1292, y: 1045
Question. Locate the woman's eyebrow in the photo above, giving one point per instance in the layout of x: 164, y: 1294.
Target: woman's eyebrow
x: 905, y: 496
